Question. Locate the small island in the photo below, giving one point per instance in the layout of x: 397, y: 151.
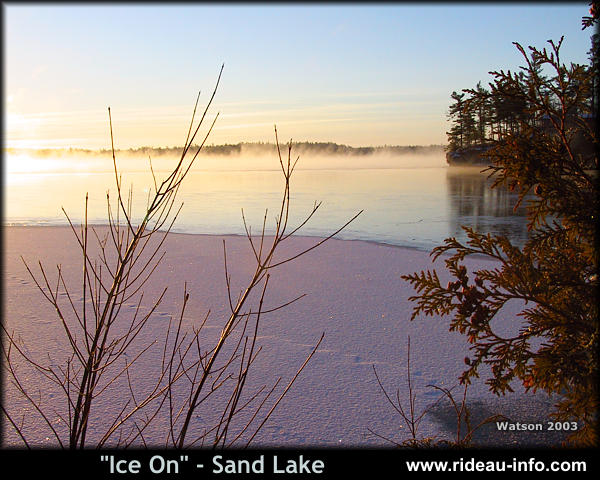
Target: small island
x: 481, y: 120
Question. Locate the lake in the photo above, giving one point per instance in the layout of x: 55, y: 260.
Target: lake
x: 407, y: 206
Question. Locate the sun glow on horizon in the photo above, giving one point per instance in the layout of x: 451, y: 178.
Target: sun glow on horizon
x: 14, y: 164
x: 349, y: 123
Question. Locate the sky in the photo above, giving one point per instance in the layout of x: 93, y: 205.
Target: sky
x: 354, y: 74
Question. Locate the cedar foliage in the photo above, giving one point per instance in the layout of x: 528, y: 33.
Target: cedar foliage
x: 550, y: 157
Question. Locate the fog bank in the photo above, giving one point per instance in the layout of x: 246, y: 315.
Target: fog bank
x: 254, y: 157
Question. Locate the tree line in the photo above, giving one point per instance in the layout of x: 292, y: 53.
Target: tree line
x: 302, y: 148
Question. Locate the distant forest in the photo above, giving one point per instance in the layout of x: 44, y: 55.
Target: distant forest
x: 249, y: 148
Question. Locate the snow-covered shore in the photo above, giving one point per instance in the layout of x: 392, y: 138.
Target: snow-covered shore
x: 354, y: 295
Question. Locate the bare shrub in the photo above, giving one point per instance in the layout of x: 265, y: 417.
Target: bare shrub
x: 412, y: 418
x: 105, y: 346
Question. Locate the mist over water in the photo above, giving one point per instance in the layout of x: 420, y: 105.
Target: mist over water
x: 246, y: 157
x: 413, y: 199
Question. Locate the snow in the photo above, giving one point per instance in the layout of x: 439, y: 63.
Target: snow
x: 354, y: 295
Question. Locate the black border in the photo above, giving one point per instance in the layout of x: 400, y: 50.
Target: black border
x: 339, y: 462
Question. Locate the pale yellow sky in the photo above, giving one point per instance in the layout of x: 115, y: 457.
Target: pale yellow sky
x: 357, y: 124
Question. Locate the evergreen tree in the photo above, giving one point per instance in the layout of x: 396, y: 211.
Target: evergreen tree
x: 482, y: 113
x: 456, y: 133
x: 469, y: 127
x: 546, y: 147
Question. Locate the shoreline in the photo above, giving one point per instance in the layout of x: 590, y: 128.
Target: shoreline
x: 418, y: 248
x: 242, y: 235
x: 354, y: 295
